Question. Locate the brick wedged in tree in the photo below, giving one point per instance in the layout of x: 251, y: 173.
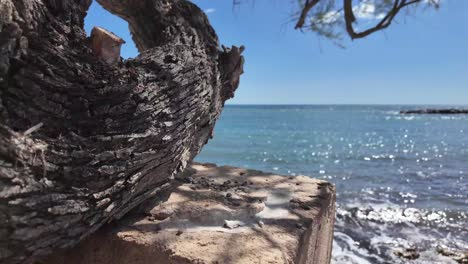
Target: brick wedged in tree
x: 82, y: 142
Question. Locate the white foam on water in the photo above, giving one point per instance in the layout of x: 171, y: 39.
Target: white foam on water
x: 347, y: 251
x: 372, y: 233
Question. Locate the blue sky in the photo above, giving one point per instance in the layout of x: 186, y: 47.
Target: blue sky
x: 422, y: 59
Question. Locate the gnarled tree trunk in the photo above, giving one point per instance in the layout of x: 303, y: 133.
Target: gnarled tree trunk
x: 83, y: 142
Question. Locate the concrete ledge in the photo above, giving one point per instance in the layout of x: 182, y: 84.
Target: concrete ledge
x: 222, y: 215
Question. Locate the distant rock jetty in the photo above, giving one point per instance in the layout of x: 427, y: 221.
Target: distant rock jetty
x: 451, y: 111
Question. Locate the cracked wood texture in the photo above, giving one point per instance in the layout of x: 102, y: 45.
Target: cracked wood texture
x: 83, y: 142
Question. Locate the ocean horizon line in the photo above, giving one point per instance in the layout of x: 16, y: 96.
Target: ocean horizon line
x: 350, y: 104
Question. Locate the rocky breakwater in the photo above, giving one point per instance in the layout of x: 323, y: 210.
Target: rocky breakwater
x: 221, y: 215
x: 450, y: 111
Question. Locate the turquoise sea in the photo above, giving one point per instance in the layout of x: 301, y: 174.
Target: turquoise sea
x: 402, y: 180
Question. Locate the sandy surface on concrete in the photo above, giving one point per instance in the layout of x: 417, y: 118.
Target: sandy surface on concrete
x: 221, y: 215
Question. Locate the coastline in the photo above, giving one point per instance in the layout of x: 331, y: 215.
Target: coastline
x: 400, y: 179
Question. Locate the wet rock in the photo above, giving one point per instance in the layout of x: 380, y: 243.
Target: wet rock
x: 458, y: 256
x: 407, y: 253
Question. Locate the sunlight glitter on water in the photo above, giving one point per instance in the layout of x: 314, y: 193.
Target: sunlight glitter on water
x: 411, y: 170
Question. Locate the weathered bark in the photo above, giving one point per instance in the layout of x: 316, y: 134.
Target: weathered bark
x: 83, y: 142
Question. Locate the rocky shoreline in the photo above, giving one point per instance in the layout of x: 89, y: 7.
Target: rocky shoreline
x: 412, y: 254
